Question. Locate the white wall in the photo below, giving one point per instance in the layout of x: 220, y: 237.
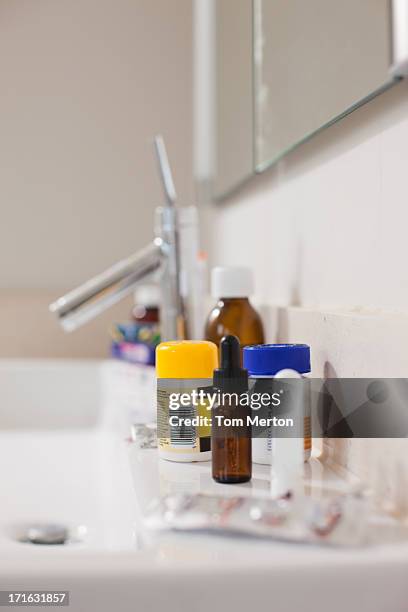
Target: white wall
x: 85, y: 85
x: 328, y: 227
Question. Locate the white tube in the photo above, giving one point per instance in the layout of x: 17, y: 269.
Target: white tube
x: 287, y: 453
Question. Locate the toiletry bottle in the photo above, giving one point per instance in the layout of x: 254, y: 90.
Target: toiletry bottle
x: 233, y: 313
x: 184, y: 367
x: 265, y: 364
x: 231, y: 431
x: 146, y: 308
x: 288, y: 459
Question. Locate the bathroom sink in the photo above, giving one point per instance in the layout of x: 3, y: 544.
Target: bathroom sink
x: 65, y: 459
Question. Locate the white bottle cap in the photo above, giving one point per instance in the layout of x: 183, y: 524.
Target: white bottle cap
x: 231, y: 282
x: 148, y: 296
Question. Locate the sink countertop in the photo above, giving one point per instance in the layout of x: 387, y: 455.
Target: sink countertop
x: 86, y: 473
x: 154, y: 477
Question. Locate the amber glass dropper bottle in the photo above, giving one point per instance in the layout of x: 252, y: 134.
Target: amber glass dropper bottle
x: 233, y: 313
x: 230, y: 429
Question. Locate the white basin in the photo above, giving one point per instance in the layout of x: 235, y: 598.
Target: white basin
x: 64, y: 458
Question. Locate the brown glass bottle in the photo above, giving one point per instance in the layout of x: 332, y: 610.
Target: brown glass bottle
x: 234, y: 316
x: 233, y: 313
x: 146, y: 307
x: 145, y: 314
x: 230, y: 429
x: 231, y: 457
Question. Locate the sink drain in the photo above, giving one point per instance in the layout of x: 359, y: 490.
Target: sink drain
x: 50, y: 534
x: 47, y: 534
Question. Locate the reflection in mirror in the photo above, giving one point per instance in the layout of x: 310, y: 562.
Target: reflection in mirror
x: 314, y: 62
x: 271, y: 73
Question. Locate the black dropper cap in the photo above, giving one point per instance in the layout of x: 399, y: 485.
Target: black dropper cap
x: 230, y: 376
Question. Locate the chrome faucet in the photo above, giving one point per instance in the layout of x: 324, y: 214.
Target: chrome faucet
x: 162, y: 256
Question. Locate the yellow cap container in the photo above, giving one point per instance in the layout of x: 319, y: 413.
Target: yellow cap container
x: 182, y: 367
x: 186, y: 359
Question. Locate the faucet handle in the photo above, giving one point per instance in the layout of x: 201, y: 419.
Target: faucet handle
x: 165, y: 171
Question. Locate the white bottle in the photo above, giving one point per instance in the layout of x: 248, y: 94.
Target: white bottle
x: 265, y: 363
x: 287, y: 465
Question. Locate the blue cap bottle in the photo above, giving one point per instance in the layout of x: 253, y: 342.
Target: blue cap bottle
x: 269, y: 359
x: 264, y: 361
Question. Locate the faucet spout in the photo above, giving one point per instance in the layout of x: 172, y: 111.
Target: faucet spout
x: 164, y: 253
x: 107, y: 288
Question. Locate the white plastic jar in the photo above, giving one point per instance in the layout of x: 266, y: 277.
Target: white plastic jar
x: 264, y: 362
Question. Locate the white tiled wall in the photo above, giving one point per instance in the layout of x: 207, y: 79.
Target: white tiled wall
x: 350, y: 343
x: 85, y: 87
x: 328, y: 226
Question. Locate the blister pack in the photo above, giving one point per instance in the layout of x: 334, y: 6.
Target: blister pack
x: 339, y: 521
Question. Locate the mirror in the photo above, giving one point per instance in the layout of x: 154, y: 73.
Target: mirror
x: 278, y: 71
x: 315, y: 61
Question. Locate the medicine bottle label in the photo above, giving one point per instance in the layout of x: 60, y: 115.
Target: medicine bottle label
x: 183, y: 415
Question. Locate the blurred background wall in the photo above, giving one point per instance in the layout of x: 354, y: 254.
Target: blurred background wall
x: 85, y: 86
